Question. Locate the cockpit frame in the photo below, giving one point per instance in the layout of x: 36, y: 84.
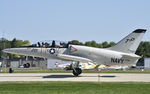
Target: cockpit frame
x: 50, y: 44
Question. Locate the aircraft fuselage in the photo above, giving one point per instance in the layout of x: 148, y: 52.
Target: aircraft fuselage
x: 97, y: 55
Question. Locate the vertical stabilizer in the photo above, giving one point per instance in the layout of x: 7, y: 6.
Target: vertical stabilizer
x: 130, y: 43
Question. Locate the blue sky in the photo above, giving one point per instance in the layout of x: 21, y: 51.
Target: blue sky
x: 83, y: 20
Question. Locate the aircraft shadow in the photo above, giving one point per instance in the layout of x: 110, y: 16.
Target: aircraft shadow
x: 71, y: 76
x: 58, y: 76
x: 108, y: 76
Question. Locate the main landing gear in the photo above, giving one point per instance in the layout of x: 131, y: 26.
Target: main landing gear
x: 77, y: 71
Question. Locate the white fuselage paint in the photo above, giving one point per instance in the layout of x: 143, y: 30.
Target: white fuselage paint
x: 105, y: 56
x: 97, y: 55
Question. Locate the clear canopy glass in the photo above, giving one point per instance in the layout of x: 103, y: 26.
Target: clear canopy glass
x: 50, y: 44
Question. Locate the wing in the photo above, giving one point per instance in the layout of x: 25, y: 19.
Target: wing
x: 73, y: 58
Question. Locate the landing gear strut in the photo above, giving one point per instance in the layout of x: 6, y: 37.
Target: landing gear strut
x: 76, y: 71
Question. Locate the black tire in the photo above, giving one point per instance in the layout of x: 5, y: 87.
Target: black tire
x: 11, y: 70
x: 77, y: 72
x: 26, y: 65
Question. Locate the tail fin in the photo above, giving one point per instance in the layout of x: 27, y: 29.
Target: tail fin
x: 130, y: 43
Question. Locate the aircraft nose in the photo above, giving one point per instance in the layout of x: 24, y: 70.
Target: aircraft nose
x: 9, y: 50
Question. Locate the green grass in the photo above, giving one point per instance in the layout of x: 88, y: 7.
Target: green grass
x: 73, y: 88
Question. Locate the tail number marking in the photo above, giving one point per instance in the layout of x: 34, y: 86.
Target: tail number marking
x: 129, y: 40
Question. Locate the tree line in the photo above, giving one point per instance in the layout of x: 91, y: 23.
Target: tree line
x: 143, y: 49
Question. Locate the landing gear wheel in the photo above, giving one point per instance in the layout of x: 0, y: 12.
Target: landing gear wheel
x: 77, y: 71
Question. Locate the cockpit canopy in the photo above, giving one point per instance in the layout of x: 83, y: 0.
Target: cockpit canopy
x: 50, y: 44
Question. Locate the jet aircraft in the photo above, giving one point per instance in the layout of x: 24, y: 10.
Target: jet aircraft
x: 122, y: 54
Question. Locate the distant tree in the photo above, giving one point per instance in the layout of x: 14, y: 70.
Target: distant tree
x: 94, y: 44
x: 19, y: 43
x: 111, y: 44
x: 13, y: 43
x: 88, y: 43
x: 144, y: 51
x: 105, y: 44
x: 4, y: 43
x: 100, y: 45
x: 76, y: 42
x: 26, y: 43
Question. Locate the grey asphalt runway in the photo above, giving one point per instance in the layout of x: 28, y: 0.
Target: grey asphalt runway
x: 85, y: 77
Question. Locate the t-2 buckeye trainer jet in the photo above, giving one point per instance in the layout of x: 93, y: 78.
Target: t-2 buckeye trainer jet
x: 123, y: 53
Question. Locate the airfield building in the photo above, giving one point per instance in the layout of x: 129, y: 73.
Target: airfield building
x: 147, y: 63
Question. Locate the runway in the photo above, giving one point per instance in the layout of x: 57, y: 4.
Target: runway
x: 85, y: 77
